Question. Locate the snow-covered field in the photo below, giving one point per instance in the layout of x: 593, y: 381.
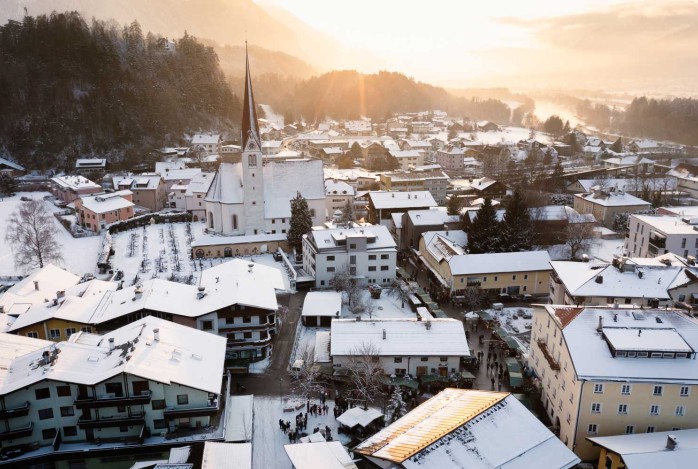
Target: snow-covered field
x: 267, y: 438
x: 79, y: 254
x: 507, y: 134
x: 162, y: 251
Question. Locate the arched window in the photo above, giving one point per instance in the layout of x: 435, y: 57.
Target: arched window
x: 252, y: 160
x: 312, y: 212
x: 210, y: 220
x: 199, y: 253
x: 235, y: 222
x: 228, y: 252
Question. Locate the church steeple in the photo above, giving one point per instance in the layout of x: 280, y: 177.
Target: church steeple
x: 250, y: 128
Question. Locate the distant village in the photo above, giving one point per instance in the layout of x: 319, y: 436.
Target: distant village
x: 421, y: 292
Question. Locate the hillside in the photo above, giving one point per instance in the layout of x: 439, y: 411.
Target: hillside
x: 262, y: 61
x: 67, y: 89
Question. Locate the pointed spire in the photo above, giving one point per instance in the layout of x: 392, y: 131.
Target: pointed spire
x: 250, y: 128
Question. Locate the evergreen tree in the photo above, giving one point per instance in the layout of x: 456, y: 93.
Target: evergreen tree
x: 396, y: 407
x: 348, y: 212
x: 566, y: 129
x: 547, y: 157
x: 557, y: 179
x: 355, y: 151
x: 517, y: 227
x: 617, y: 146
x: 8, y: 186
x: 301, y: 222
x: 483, y: 232
x: 453, y: 205
x: 345, y: 161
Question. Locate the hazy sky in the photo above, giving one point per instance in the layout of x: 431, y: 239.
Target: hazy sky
x: 456, y: 42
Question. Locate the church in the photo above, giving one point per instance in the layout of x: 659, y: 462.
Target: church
x: 248, y: 205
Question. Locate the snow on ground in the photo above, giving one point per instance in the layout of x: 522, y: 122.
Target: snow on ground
x: 513, y: 325
x: 79, y: 254
x: 259, y: 367
x: 163, y: 251
x: 508, y: 134
x: 267, y: 438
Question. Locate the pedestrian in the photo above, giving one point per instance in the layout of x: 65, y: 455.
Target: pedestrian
x: 492, y: 381
x: 307, y: 405
x: 281, y: 424
x: 290, y: 437
x: 323, y: 398
x: 499, y: 386
x: 288, y: 425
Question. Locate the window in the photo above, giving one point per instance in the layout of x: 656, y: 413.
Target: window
x: 679, y: 411
x: 592, y: 429
x: 330, y: 269
x: 623, y: 409
x: 54, y: 334
x: 385, y: 267
x: 629, y: 429
x: 658, y: 390
x: 159, y: 424
x: 247, y: 319
x: 158, y: 404
x: 651, y: 429
x: 525, y: 276
x: 123, y: 429
x: 48, y: 434
x: 45, y: 414
x: 252, y: 160
x: 424, y: 359
x: 598, y: 388
x: 684, y: 391
x: 384, y: 256
x: 182, y: 399
x: 235, y: 222
x: 513, y: 277
x: 654, y: 409
x: 71, y: 430
x: 33, y: 335
x: 230, y: 320
x: 352, y: 246
x: 87, y: 329
x: 331, y: 258
x: 371, y: 257
x: 63, y: 391
x: 495, y: 278
x: 207, y: 325
x: 596, y: 408
x: 114, y: 388
x: 371, y: 268
x: 397, y: 360
x: 247, y: 335
x: 42, y: 393
x: 625, y: 389
x: 70, y: 331
x: 67, y: 411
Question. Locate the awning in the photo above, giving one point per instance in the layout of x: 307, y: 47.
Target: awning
x: 512, y: 343
x: 439, y: 314
x: 402, y: 273
x: 399, y: 381
x: 501, y: 333
x: 515, y: 380
x: 485, y: 315
x: 467, y: 375
x: 432, y: 378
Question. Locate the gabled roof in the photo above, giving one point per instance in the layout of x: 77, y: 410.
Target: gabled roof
x: 37, y: 287
x: 468, y: 428
x: 526, y: 261
x: 408, y: 199
x: 11, y: 164
x: 649, y: 450
x: 613, y: 199
x: 283, y: 179
x: 226, y: 187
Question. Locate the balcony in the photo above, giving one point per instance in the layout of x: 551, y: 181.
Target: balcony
x: 18, y: 433
x: 112, y: 421
x: 85, y: 402
x: 551, y: 361
x: 175, y: 413
x: 21, y: 411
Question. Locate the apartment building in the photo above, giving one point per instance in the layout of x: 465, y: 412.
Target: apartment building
x: 612, y: 371
x: 149, y: 190
x: 70, y: 188
x: 654, y: 235
x: 404, y: 346
x: 381, y: 205
x: 368, y: 253
x: 96, y: 212
x: 433, y: 181
x: 417, y: 222
x: 151, y: 377
x: 606, y: 205
x: 450, y: 158
x: 338, y: 193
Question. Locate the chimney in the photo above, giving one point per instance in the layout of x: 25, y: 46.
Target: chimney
x: 156, y: 334
x: 599, y: 279
x: 384, y: 334
x: 671, y: 442
x: 111, y: 344
x: 36, y: 284
x: 639, y: 332
x: 250, y: 267
x: 599, y: 328
x: 60, y: 294
x: 45, y: 357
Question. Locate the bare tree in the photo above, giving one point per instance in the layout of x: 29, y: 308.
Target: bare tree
x: 401, y: 290
x: 474, y: 298
x: 306, y: 376
x: 31, y: 233
x: 366, y: 373
x: 580, y: 235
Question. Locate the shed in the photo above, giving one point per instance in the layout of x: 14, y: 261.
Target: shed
x: 320, y: 307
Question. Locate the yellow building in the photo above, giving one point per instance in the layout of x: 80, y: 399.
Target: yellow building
x: 614, y: 371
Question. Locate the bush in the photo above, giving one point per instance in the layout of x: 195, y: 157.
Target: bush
x: 143, y: 220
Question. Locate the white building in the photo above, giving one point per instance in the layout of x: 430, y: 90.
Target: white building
x: 368, y: 253
x: 654, y: 235
x: 149, y: 377
x: 338, y: 193
x: 403, y: 346
x: 467, y: 429
x: 208, y: 144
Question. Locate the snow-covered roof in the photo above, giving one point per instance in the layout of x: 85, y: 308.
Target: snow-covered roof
x: 328, y: 239
x: 107, y: 202
x: 182, y: 355
x: 606, y: 280
x: 37, y: 287
x: 560, y: 212
x: 468, y: 428
x: 205, y: 139
x: 627, y: 160
x: 667, y: 224
x: 322, y: 303
x: 13, y: 346
x: 333, y: 186
x: 11, y: 164
x: 226, y: 186
x: 397, y: 220
x: 482, y: 183
x: 163, y: 166
x: 75, y: 183
x: 526, y: 261
x: 322, y: 347
x: 282, y: 179
x: 215, y: 240
x: 433, y: 216
x: 593, y: 359
x: 228, y: 455
x: 199, y: 184
x: 613, y: 199
x: 359, y: 416
x: 400, y: 337
x: 324, y: 454
x: 408, y: 199
x: 145, y: 181
x: 90, y: 163
x: 183, y: 174
x: 629, y: 184
x: 239, y: 411
x: 271, y: 144
x: 405, y: 153
x: 458, y: 238
x: 649, y: 450
x: 422, y: 174
x: 440, y: 247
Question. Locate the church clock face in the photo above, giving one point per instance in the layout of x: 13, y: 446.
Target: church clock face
x: 252, y: 146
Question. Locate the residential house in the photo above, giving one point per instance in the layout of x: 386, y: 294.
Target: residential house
x: 467, y: 428
x: 368, y: 253
x: 206, y: 144
x: 486, y: 126
x: 450, y: 158
x: 382, y: 204
x: 149, y: 189
x: 612, y: 371
x: 69, y: 188
x: 416, y: 222
x: 96, y: 212
x: 605, y: 205
x: 403, y: 346
x: 408, y: 158
x: 151, y: 377
x: 433, y: 180
x: 90, y: 166
x: 195, y: 194
x: 10, y: 167
x: 337, y: 193
x: 551, y: 223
